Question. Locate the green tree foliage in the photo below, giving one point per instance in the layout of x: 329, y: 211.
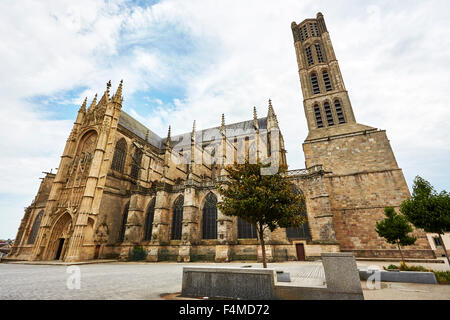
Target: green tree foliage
x: 266, y: 201
x: 395, y: 229
x: 428, y: 210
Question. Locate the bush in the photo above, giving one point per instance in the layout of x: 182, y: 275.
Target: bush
x: 137, y: 254
x: 443, y: 277
x: 391, y: 267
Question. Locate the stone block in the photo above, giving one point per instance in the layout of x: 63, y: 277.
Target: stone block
x: 234, y: 283
x: 401, y: 276
x: 341, y: 272
x: 283, y: 276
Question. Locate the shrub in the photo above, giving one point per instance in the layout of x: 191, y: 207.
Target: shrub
x: 443, y: 277
x: 391, y: 267
x: 137, y: 254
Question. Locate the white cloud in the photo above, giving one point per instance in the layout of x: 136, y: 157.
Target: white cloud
x: 227, y: 56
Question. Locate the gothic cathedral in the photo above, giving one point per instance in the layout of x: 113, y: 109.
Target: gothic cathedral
x: 119, y: 185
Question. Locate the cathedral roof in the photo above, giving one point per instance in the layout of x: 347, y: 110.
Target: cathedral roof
x: 134, y: 126
x: 244, y: 128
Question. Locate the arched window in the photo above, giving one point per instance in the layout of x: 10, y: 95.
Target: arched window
x: 210, y: 217
x: 302, y: 38
x: 149, y: 220
x: 327, y: 81
x: 301, y: 232
x: 319, y: 121
x: 120, y: 154
x: 315, y: 84
x: 35, y: 228
x: 319, y: 53
x: 305, y: 31
x: 309, y: 56
x: 314, y: 29
x: 328, y: 114
x: 136, y: 163
x: 339, y: 111
x: 177, y: 219
x: 124, y: 222
x: 246, y: 230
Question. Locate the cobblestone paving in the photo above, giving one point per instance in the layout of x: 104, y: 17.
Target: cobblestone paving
x: 115, y: 280
x: 150, y: 280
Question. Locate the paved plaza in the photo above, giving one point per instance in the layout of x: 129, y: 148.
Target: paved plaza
x: 151, y: 280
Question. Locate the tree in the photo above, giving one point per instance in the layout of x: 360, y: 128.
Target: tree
x: 266, y: 201
x: 395, y: 229
x: 428, y: 210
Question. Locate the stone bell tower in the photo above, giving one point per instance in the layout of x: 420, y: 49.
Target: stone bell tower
x: 327, y: 105
x: 362, y: 173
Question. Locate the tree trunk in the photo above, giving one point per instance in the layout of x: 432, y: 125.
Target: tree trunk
x: 263, y: 247
x: 401, y: 253
x: 445, y: 249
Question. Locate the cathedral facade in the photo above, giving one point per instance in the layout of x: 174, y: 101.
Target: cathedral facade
x: 119, y: 185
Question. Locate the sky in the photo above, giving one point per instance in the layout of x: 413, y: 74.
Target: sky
x: 194, y: 60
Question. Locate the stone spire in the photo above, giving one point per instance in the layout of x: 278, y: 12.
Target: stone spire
x: 271, y: 116
x: 108, y: 87
x: 83, y: 106
x: 105, y: 97
x: 255, y: 119
x: 168, y: 139
x: 147, y: 134
x: 118, y: 95
x: 94, y: 103
x: 193, y: 131
x: 222, y: 127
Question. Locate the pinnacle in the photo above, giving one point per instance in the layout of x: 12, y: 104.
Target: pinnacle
x: 108, y: 86
x: 168, y: 138
x: 83, y: 106
x: 94, y: 103
x: 118, y: 95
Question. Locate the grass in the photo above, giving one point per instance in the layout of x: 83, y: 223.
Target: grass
x: 443, y: 277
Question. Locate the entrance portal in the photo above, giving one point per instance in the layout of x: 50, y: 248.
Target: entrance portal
x: 57, y: 244
x: 60, y: 247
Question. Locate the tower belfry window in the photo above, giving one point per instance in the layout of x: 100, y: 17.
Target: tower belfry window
x: 315, y: 84
x: 314, y: 29
x: 309, y: 56
x: 302, y: 37
x: 328, y: 113
x: 305, y: 31
x: 318, y: 116
x: 327, y: 81
x: 339, y: 112
x: 319, y: 53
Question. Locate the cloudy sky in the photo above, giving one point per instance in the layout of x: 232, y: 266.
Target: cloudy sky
x: 184, y: 60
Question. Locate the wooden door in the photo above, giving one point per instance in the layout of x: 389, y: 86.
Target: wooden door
x: 300, y: 252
